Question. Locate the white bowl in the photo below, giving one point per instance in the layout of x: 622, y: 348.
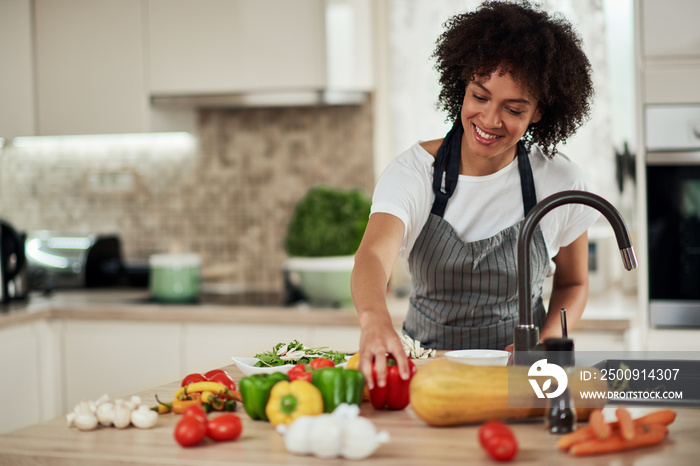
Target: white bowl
x: 479, y: 357
x: 248, y: 367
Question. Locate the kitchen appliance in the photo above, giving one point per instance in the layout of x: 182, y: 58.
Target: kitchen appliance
x: 175, y: 278
x: 13, y: 266
x: 62, y: 260
x: 672, y: 142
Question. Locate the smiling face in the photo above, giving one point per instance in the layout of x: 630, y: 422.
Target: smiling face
x: 495, y: 114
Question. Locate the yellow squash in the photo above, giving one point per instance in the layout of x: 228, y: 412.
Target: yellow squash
x: 446, y: 393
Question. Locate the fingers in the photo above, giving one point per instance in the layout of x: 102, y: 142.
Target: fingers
x: 378, y: 357
x: 509, y: 348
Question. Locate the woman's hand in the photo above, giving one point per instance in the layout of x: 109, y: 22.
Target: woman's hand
x: 378, y: 338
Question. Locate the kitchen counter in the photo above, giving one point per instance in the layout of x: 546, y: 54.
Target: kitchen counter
x: 609, y: 312
x: 412, y: 443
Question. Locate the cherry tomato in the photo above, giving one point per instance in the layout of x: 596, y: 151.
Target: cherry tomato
x: 299, y: 372
x: 225, y: 427
x: 490, y: 430
x: 190, y: 431
x: 318, y: 363
x: 192, y: 378
x: 197, y: 412
x: 213, y: 372
x: 224, y: 379
x: 502, y: 448
x: 498, y: 441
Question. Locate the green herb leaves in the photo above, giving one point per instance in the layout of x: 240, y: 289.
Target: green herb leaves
x: 295, y: 352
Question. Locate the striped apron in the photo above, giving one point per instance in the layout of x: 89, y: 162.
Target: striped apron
x: 465, y: 295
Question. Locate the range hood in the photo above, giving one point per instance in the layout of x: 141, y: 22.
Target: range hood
x: 297, y: 98
x: 319, y: 54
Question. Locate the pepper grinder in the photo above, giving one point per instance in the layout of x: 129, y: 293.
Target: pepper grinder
x: 561, y: 413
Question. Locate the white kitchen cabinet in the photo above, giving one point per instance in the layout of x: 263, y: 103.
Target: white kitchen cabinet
x: 339, y: 338
x: 669, y: 44
x: 209, y: 47
x: 89, y: 67
x: 588, y: 340
x: 673, y: 340
x: 670, y: 28
x: 91, y: 71
x: 20, y: 403
x: 118, y: 358
x: 17, y: 69
x: 210, y: 346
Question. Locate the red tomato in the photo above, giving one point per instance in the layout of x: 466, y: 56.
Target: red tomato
x: 318, y: 363
x: 498, y: 441
x: 192, y: 378
x: 299, y: 372
x: 224, y: 427
x: 502, y: 448
x: 197, y: 412
x: 213, y: 372
x: 190, y: 431
x: 224, y: 379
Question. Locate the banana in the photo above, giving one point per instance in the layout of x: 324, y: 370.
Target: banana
x: 213, y: 387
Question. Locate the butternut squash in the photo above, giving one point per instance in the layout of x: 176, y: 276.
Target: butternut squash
x: 446, y: 393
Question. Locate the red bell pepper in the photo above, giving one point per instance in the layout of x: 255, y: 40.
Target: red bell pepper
x: 394, y: 394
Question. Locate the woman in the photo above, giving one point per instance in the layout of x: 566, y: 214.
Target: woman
x: 515, y: 82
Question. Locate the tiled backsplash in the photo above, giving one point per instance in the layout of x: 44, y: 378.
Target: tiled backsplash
x: 228, y: 198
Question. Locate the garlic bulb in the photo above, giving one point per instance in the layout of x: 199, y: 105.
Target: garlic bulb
x: 341, y: 433
x: 326, y: 436
x: 296, y: 435
x: 361, y: 438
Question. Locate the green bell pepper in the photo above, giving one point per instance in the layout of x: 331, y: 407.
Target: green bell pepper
x: 255, y: 391
x: 338, y: 385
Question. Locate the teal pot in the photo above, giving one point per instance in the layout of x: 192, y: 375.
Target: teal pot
x: 324, y: 281
x: 175, y: 278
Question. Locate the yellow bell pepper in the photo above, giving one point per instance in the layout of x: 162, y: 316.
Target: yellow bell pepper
x: 354, y: 363
x: 290, y: 400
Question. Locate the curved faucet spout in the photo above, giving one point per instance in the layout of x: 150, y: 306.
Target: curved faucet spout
x: 526, y: 334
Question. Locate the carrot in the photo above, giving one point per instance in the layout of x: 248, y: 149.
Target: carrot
x: 646, y: 435
x: 662, y: 416
x: 626, y: 424
x: 600, y: 427
x: 582, y: 434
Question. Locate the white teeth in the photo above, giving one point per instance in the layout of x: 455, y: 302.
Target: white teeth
x: 484, y: 135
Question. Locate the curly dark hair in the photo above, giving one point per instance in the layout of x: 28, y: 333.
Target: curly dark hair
x: 540, y: 50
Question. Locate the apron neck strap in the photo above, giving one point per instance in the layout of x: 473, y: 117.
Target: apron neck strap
x: 446, y: 171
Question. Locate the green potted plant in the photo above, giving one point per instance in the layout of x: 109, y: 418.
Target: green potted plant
x: 322, y: 237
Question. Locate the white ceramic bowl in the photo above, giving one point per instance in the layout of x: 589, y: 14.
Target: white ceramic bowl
x: 479, y: 357
x: 247, y: 366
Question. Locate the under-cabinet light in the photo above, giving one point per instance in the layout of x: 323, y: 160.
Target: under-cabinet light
x: 179, y: 140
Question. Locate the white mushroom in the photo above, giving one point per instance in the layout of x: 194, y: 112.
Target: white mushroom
x: 86, y: 421
x: 144, y: 417
x: 105, y: 413
x: 122, y: 414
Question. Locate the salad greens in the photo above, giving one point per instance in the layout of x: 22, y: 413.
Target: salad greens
x: 295, y: 352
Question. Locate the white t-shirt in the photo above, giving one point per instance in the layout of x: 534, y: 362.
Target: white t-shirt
x: 481, y: 206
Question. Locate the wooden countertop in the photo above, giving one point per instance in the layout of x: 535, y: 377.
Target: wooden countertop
x: 412, y: 443
x: 609, y: 313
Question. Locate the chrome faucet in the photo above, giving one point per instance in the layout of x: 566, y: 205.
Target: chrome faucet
x: 526, y: 334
